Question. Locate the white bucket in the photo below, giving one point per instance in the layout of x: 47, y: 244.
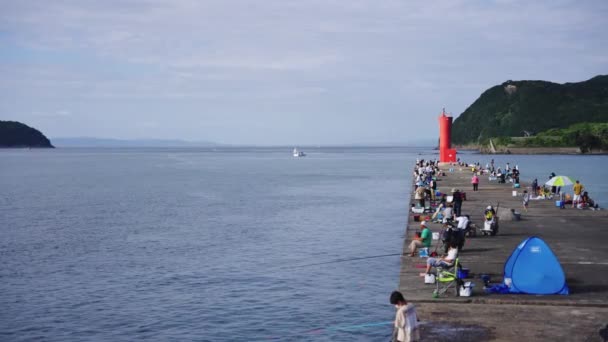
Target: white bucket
x: 487, y: 225
x: 466, y: 290
x: 514, y: 193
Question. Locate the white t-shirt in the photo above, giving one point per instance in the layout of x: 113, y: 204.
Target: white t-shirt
x: 448, y: 212
x: 452, y: 254
x: 462, y: 222
x: 406, y: 321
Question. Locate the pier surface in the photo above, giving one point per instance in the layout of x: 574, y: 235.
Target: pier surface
x: 579, y: 239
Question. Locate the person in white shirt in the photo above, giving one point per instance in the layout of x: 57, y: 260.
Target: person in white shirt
x: 406, y: 320
x: 463, y: 222
x: 446, y: 261
x: 448, y: 213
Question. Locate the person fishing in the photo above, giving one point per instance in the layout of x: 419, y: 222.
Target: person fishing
x: 406, y: 320
x: 422, y: 240
x: 457, y: 199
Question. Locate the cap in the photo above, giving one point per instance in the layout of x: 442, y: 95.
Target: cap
x: 423, y: 223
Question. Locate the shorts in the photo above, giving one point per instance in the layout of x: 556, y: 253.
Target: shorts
x: 576, y: 198
x: 436, y: 262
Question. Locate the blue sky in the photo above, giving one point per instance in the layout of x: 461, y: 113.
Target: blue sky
x: 280, y: 72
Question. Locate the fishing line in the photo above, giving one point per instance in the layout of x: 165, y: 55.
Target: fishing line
x: 357, y: 326
x: 347, y: 260
x: 332, y: 328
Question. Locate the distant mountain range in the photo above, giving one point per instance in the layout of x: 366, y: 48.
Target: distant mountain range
x: 106, y: 142
x: 523, y: 108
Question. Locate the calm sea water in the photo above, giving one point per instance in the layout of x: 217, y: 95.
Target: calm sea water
x: 211, y: 245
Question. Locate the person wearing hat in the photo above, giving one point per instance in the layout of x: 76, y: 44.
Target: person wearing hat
x: 422, y: 239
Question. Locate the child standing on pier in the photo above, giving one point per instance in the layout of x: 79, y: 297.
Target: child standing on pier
x: 406, y: 320
x: 526, y: 200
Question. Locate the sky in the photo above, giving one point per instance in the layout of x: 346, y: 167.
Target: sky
x: 280, y: 72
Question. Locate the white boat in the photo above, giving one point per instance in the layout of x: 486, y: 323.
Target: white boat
x: 297, y: 153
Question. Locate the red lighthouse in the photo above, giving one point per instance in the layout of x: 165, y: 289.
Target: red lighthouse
x: 446, y: 153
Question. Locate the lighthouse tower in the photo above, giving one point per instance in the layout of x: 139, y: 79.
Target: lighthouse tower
x: 446, y: 153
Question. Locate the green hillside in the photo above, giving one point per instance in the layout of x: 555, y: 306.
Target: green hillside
x: 515, y: 107
x: 16, y: 134
x: 588, y: 137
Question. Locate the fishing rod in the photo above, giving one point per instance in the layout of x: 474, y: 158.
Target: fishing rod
x: 350, y: 259
x: 333, y: 328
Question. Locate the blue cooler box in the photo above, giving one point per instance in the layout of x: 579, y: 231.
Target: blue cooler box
x: 463, y: 273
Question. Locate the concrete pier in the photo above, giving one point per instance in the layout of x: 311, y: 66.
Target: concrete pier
x: 579, y: 239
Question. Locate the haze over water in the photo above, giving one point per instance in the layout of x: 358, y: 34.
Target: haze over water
x: 212, y: 244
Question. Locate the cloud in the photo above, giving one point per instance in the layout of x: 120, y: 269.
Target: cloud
x: 148, y: 124
x: 257, y: 62
x: 386, y: 61
x: 62, y: 113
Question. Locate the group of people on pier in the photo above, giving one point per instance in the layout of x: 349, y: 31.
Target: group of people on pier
x: 446, y: 209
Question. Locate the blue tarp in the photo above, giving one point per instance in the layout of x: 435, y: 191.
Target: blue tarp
x: 532, y: 268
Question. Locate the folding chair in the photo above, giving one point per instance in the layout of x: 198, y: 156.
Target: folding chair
x: 447, y: 278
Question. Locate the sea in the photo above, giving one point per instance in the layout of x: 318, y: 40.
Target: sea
x: 214, y: 244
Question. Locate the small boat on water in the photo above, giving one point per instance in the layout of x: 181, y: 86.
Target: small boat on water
x: 297, y: 153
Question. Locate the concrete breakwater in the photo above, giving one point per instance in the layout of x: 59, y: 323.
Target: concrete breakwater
x: 577, y: 237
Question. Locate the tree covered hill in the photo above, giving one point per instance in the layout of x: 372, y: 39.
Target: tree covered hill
x: 16, y: 134
x: 518, y: 108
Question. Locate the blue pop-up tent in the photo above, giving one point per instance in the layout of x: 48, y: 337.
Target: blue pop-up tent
x: 532, y: 268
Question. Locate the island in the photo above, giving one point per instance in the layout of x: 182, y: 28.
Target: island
x: 537, y: 117
x: 14, y: 134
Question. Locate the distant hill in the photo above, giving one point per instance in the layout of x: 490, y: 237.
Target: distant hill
x: 104, y: 142
x: 517, y: 108
x: 16, y: 134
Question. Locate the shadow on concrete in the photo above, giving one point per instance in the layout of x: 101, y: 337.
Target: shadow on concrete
x: 474, y: 250
x: 502, y: 233
x: 585, y: 288
x: 454, y: 332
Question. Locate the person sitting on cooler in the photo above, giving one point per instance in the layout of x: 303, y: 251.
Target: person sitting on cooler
x: 424, y: 240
